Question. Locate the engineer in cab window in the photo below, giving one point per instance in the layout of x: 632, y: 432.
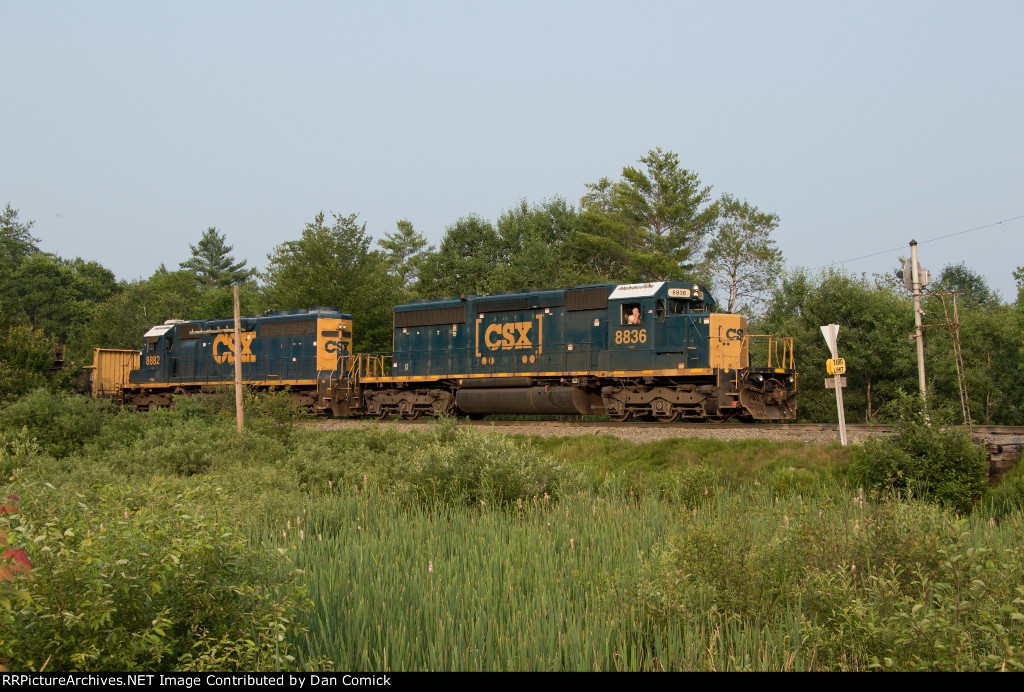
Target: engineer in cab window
x: 634, y: 317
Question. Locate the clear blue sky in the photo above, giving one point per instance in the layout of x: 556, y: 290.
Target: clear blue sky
x: 130, y: 127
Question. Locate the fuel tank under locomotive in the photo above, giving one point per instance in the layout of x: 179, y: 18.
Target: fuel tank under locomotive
x: 547, y: 400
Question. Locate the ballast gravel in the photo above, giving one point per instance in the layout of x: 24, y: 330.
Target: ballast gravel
x: 636, y: 433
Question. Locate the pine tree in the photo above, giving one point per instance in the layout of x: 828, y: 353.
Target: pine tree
x: 652, y: 224
x: 212, y: 262
x: 404, y: 251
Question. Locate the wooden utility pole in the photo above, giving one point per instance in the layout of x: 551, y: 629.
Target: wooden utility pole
x: 239, y: 415
x: 918, y: 282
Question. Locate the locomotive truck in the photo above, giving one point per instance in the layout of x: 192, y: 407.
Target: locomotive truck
x: 654, y: 351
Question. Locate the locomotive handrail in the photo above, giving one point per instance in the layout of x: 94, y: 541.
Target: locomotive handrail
x: 459, y: 362
x: 363, y: 365
x: 785, y: 360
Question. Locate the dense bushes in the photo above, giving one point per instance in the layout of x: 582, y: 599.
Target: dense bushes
x: 925, y: 461
x: 25, y: 356
x: 1008, y: 496
x: 146, y: 579
x: 61, y: 422
x: 140, y: 560
x: 442, y: 464
x: 897, y: 585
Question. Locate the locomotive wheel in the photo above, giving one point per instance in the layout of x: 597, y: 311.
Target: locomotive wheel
x: 406, y: 410
x: 622, y: 417
x: 382, y: 414
x: 662, y: 411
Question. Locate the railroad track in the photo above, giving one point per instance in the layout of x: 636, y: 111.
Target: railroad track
x: 791, y: 428
x: 1002, y: 443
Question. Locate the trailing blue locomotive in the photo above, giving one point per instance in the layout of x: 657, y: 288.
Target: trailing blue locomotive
x: 306, y: 351
x: 652, y: 350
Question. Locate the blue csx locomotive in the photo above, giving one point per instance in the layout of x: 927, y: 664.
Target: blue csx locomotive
x: 303, y: 350
x: 650, y: 350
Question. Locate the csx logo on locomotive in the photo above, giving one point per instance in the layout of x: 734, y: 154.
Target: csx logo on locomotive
x: 525, y: 339
x: 508, y: 335
x: 336, y: 347
x: 224, y: 348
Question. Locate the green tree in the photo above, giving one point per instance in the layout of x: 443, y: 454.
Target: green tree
x: 1018, y: 335
x: 25, y: 356
x: 874, y: 319
x: 989, y: 344
x: 470, y: 252
x: 973, y: 286
x: 742, y: 258
x: 212, y: 262
x: 43, y: 293
x: 55, y: 295
x: 543, y: 246
x: 404, y: 250
x: 606, y: 251
x: 661, y: 215
x: 16, y: 243
x: 333, y: 265
x: 121, y: 320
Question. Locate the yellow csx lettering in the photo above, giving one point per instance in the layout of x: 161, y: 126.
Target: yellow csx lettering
x: 224, y: 348
x: 508, y: 335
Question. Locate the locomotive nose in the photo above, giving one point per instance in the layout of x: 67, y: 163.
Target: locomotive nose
x: 768, y: 395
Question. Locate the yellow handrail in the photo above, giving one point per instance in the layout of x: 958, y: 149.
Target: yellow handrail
x: 363, y: 365
x: 786, y: 359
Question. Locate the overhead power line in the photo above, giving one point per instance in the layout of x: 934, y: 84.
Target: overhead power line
x: 921, y: 242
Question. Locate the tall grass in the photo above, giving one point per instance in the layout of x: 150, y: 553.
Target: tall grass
x: 456, y: 549
x: 745, y: 580
x: 540, y: 586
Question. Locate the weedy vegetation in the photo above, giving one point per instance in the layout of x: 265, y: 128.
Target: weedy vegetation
x: 167, y: 541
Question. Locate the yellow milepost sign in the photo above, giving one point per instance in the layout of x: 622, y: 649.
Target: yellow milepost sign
x: 836, y: 366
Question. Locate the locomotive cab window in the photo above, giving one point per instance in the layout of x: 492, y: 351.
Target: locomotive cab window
x: 632, y: 313
x: 660, y: 310
x: 678, y: 307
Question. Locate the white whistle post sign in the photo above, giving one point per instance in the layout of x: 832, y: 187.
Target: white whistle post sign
x: 831, y: 334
